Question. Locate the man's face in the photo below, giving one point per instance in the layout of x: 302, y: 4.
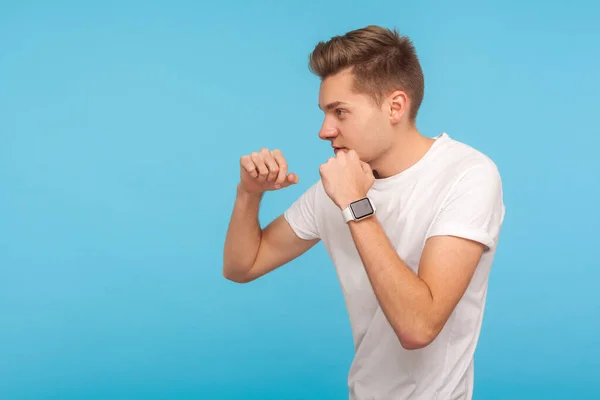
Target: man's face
x: 352, y: 120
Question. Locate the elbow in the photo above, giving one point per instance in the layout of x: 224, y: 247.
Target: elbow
x: 418, y: 339
x: 414, y: 343
x: 237, y: 278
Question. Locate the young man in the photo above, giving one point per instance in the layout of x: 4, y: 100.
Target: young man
x: 411, y: 223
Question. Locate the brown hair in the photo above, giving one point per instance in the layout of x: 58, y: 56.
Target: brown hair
x: 380, y: 59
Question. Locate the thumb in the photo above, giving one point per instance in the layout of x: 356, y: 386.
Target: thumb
x: 366, y: 168
x: 290, y: 179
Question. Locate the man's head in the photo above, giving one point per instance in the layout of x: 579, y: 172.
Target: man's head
x: 371, y: 85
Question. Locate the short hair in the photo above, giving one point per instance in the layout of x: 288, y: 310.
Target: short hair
x: 380, y: 59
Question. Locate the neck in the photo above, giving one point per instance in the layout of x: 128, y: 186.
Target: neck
x: 408, y: 147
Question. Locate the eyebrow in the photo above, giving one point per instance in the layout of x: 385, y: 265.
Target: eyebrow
x: 333, y: 105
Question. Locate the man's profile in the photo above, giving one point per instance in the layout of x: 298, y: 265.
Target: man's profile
x: 410, y: 222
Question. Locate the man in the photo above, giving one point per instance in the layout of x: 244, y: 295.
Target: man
x: 411, y: 223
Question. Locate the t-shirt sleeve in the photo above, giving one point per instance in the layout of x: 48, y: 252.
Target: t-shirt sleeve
x: 301, y: 215
x: 473, y: 208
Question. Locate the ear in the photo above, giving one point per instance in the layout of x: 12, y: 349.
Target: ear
x: 397, y: 106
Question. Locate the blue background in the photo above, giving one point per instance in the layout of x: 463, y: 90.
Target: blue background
x: 121, y: 127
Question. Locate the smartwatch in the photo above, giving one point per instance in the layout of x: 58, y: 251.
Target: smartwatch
x: 359, y: 209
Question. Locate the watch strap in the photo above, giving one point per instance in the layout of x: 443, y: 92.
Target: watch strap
x: 347, y: 213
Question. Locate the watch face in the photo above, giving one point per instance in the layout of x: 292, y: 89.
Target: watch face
x: 361, y: 208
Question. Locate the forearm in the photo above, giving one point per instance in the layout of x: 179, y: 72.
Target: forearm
x: 404, y: 297
x: 243, y: 236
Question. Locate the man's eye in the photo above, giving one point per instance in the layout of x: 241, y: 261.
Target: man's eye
x: 340, y: 112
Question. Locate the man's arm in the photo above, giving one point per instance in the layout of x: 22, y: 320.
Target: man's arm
x: 251, y: 252
x: 417, y: 306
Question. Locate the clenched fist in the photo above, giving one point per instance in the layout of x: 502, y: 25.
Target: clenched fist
x: 346, y: 178
x: 265, y: 170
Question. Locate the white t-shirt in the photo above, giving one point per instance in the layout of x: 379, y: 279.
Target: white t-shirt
x: 453, y: 190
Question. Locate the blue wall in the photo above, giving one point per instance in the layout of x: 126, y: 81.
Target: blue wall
x: 121, y: 127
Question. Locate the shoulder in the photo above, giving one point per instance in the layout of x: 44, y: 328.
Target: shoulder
x: 460, y: 159
x: 471, y: 203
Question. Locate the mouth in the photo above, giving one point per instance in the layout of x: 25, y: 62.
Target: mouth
x: 337, y: 149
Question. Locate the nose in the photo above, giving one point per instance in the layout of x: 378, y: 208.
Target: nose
x: 328, y: 132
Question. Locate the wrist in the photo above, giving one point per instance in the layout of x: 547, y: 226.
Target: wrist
x: 244, y: 195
